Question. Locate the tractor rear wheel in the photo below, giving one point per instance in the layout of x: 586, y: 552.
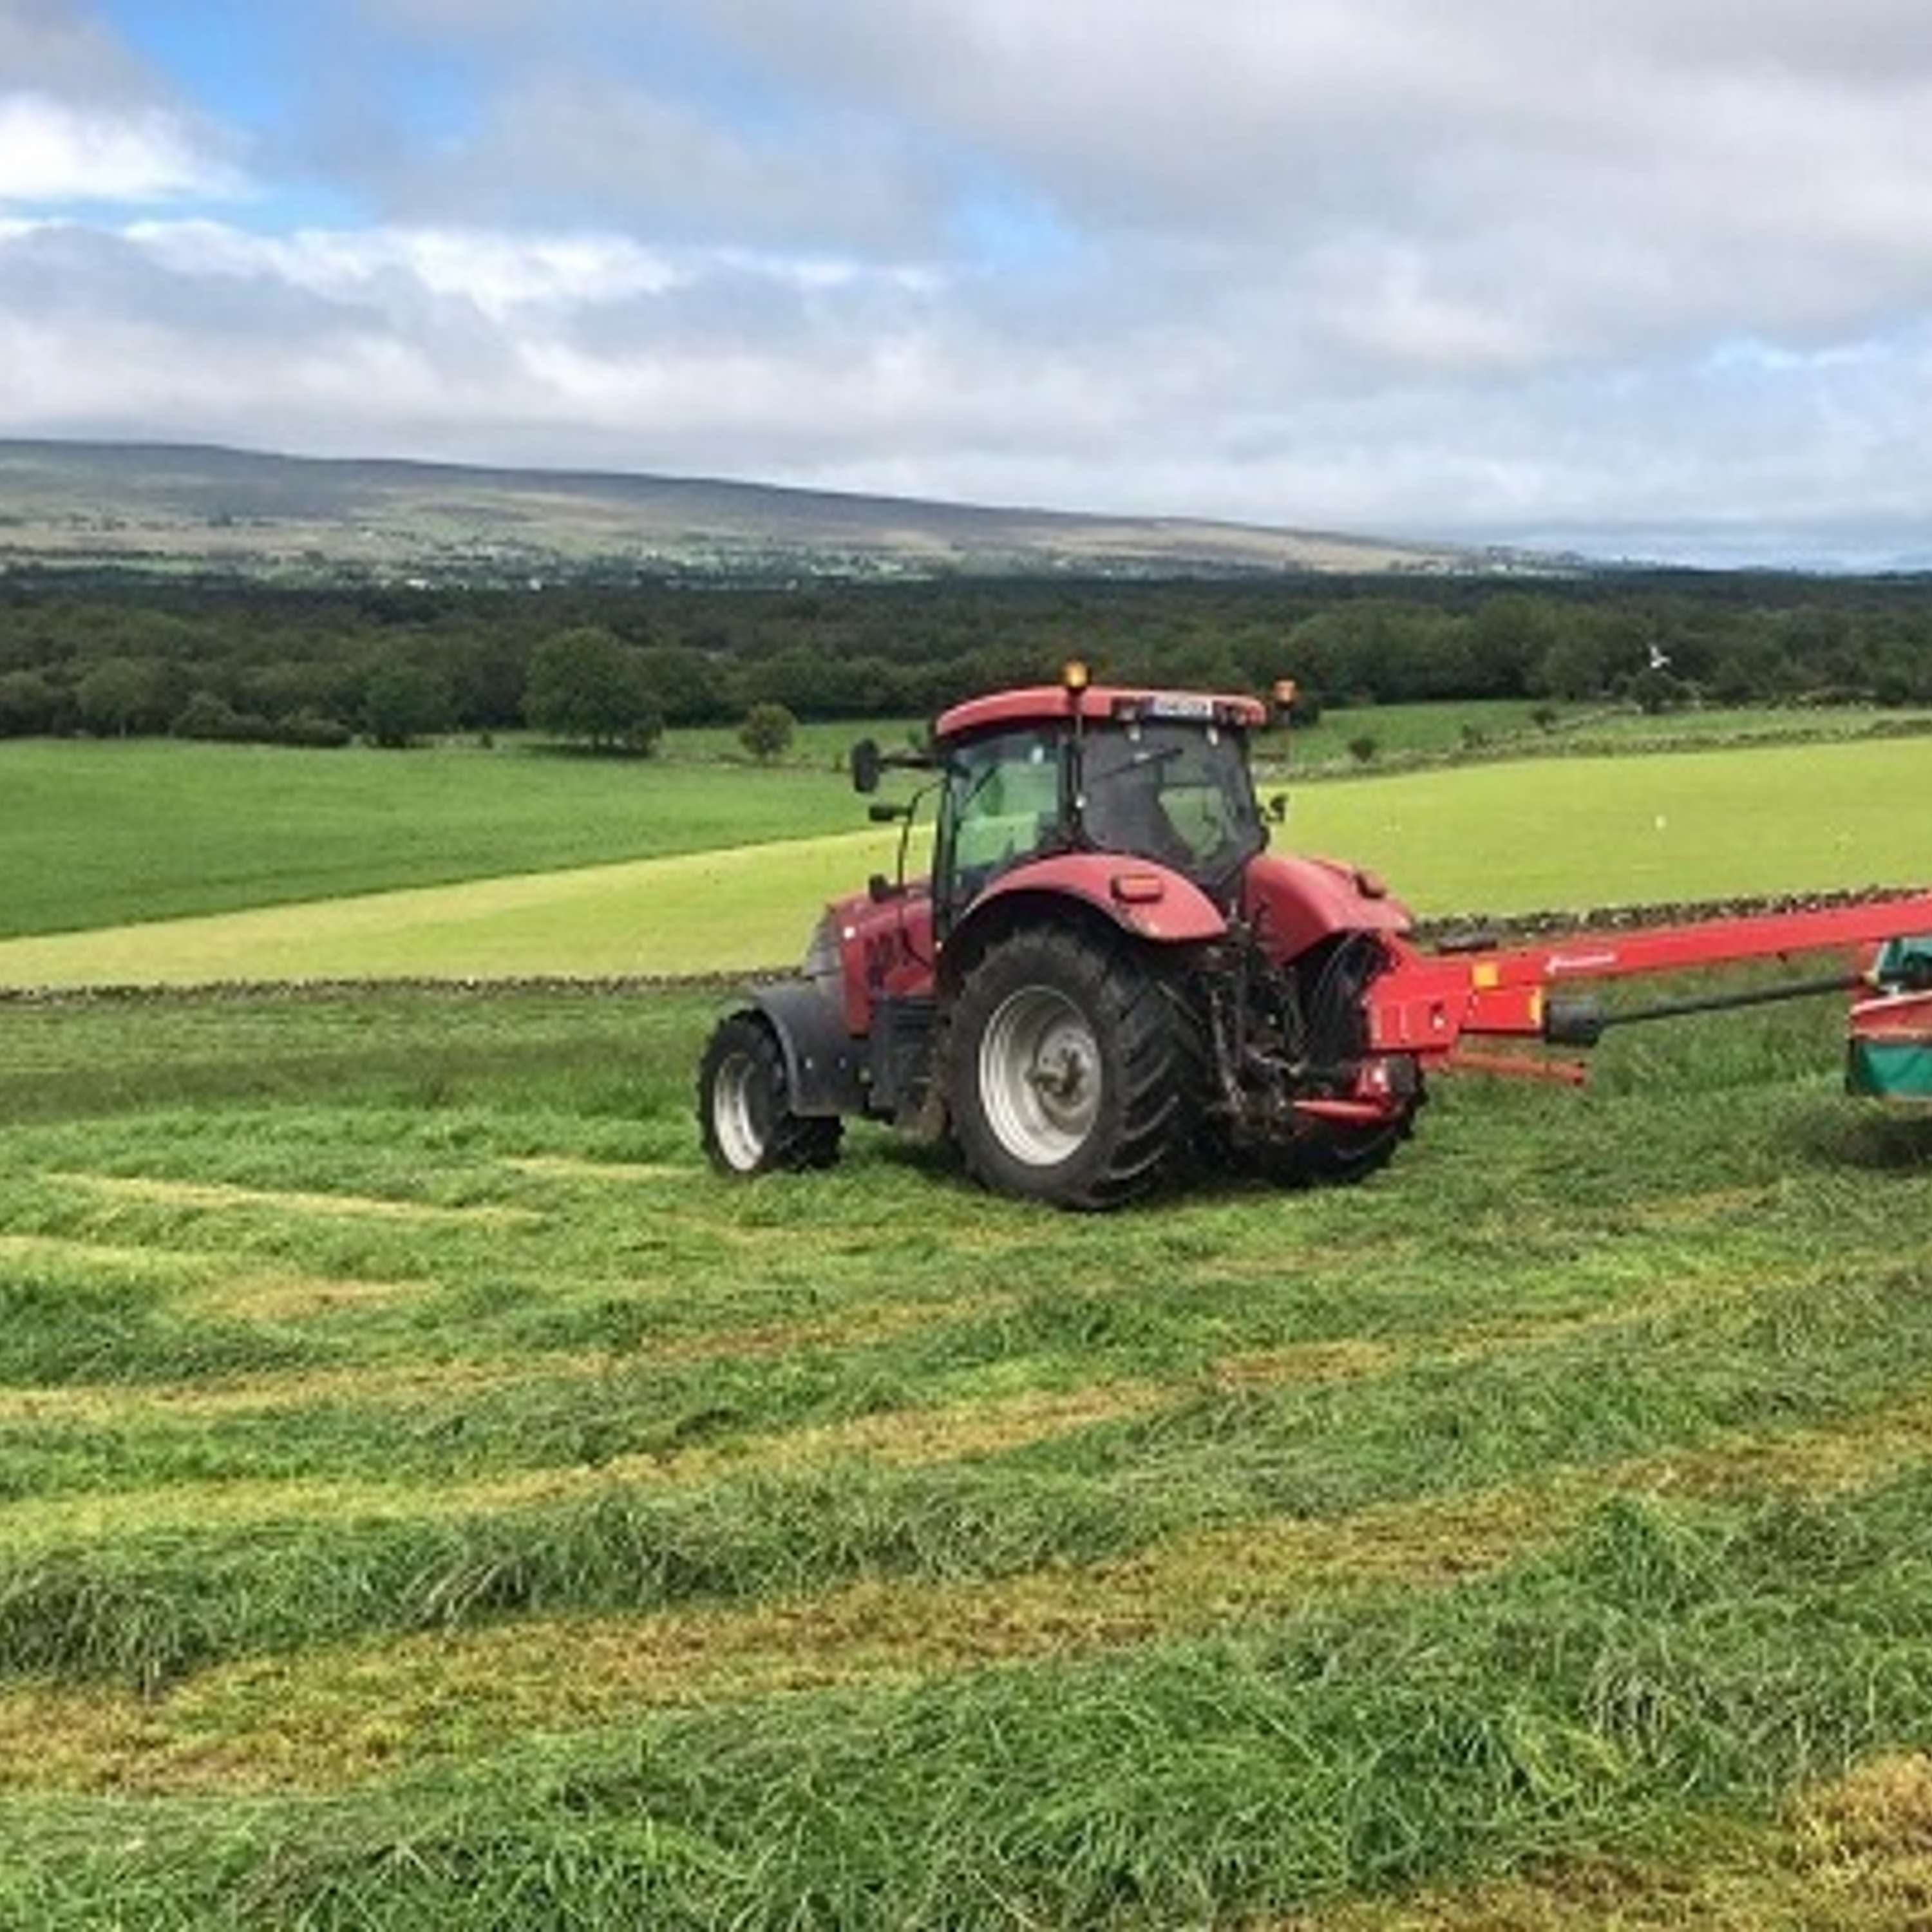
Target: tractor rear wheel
x: 742, y: 1117
x: 1073, y: 1070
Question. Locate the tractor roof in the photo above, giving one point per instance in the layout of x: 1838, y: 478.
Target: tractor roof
x: 1048, y: 704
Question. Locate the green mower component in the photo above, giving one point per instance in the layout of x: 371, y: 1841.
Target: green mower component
x: 1891, y: 1049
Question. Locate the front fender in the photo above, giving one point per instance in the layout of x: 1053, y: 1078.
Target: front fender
x: 822, y: 1059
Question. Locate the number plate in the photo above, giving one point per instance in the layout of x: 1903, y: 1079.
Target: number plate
x: 1180, y: 710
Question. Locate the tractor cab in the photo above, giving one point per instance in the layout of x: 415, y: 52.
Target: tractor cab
x: 1104, y: 974
x: 1036, y: 774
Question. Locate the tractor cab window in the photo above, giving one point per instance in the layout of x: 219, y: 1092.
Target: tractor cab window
x: 1178, y: 793
x: 1003, y: 805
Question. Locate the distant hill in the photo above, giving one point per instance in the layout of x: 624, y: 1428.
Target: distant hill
x: 170, y: 507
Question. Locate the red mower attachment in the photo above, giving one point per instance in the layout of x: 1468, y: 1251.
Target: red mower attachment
x: 1427, y: 1004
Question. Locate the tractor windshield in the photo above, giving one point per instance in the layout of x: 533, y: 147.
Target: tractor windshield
x: 1177, y: 793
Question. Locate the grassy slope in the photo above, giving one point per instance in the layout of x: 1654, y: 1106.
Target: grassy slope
x: 1398, y: 729
x: 1495, y: 837
x: 96, y: 833
x: 425, y: 1497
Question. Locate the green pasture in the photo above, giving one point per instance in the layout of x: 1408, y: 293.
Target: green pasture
x: 1492, y: 726
x: 1556, y: 833
x: 102, y: 834
x: 748, y: 906
x: 427, y: 1497
x: 94, y: 833
x: 822, y: 745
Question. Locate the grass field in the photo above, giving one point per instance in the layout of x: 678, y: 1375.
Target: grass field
x: 428, y: 1497
x: 1500, y: 725
x: 1492, y: 725
x: 1571, y: 832
x: 103, y: 834
x: 97, y: 832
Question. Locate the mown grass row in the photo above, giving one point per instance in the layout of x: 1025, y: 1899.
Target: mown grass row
x: 1154, y: 1562
x: 146, y: 1607
x: 575, y: 1373
x: 344, y: 1714
x: 1664, y: 1657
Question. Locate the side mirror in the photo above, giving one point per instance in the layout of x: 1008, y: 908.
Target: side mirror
x: 1277, y: 808
x: 866, y: 765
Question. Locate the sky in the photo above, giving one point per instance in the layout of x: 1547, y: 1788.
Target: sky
x: 1650, y: 280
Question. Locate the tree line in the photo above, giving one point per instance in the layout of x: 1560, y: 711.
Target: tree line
x: 613, y: 667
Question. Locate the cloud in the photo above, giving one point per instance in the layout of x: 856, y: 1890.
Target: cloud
x: 52, y: 46
x: 555, y: 145
x: 82, y: 120
x: 1508, y: 268
x: 51, y: 152
x: 573, y: 350
x: 1588, y: 178
x: 1461, y: 185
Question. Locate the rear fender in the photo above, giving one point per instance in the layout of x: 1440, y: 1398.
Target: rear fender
x: 1150, y: 901
x: 1295, y: 903
x: 822, y: 1059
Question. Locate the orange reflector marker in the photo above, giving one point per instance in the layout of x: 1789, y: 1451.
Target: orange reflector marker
x: 1139, y: 888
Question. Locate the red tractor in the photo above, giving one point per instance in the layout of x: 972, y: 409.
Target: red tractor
x: 1107, y: 976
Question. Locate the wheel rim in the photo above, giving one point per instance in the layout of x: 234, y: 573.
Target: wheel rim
x: 736, y: 1114
x: 1039, y: 1076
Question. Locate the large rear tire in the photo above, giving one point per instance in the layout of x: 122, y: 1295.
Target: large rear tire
x: 1073, y: 1070
x: 742, y: 1117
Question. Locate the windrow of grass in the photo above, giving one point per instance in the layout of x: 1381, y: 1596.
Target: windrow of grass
x: 520, y: 1347
x: 1848, y: 1853
x: 1663, y: 1657
x: 147, y: 1606
x: 393, y: 1402
x: 344, y: 1714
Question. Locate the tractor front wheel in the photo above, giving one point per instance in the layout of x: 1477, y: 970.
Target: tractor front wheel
x: 1072, y: 1070
x: 742, y: 1117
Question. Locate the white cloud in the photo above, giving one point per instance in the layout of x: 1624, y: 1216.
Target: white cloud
x: 1517, y: 266
x: 593, y: 349
x: 498, y: 274
x: 599, y: 147
x: 53, y: 152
